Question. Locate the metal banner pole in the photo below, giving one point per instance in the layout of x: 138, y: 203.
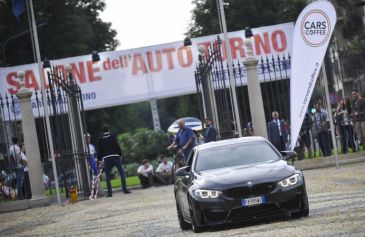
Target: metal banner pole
x: 330, y: 117
x: 44, y: 100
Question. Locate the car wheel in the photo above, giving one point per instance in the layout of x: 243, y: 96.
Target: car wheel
x: 194, y: 226
x: 301, y: 213
x: 183, y: 224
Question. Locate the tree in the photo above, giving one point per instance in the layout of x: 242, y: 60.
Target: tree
x: 73, y: 28
x: 351, y: 24
x: 241, y: 14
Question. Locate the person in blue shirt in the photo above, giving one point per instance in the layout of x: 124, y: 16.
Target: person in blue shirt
x: 211, y: 133
x: 185, y: 139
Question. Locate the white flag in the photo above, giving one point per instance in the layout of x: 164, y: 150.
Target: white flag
x: 312, y: 33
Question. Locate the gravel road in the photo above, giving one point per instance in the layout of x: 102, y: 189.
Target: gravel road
x: 336, y: 199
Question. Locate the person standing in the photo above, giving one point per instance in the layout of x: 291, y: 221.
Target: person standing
x: 26, y: 182
x: 145, y: 174
x: 359, y: 115
x: 92, y: 157
x: 109, y: 153
x: 305, y: 134
x: 211, y: 133
x: 322, y: 126
x: 276, y: 132
x: 343, y: 118
x: 17, y: 165
x: 185, y: 139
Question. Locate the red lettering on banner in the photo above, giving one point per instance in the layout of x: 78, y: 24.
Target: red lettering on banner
x: 78, y: 73
x: 91, y: 69
x: 170, y: 60
x: 115, y: 64
x: 237, y: 45
x: 276, y: 37
x: 30, y: 80
x: 189, y: 56
x: 151, y: 65
x: 106, y: 65
x: 263, y: 44
x: 138, y: 64
x: 11, y: 78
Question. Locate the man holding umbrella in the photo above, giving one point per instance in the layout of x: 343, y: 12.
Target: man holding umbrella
x: 185, y: 139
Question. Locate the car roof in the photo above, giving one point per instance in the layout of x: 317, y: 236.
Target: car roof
x: 231, y: 141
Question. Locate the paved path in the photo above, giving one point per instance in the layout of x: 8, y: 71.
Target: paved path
x: 336, y: 197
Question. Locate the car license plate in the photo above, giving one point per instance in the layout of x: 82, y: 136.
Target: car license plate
x: 252, y: 201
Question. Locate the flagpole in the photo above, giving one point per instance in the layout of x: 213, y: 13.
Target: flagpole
x: 329, y: 110
x: 44, y: 100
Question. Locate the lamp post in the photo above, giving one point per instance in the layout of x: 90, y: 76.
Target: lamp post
x: 254, y: 89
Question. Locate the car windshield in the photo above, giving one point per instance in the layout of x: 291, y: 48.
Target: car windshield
x: 234, y: 154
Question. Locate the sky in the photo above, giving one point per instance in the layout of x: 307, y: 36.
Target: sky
x: 142, y: 23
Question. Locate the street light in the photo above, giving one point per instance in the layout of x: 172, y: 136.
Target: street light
x: 95, y: 56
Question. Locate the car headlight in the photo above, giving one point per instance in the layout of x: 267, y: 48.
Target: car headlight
x: 290, y: 181
x: 202, y: 193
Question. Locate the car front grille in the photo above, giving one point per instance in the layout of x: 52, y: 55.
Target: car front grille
x: 255, y: 211
x: 255, y: 190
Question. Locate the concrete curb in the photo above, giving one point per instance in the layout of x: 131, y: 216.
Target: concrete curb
x: 20, y: 205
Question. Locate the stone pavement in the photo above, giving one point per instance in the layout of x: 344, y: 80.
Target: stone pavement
x: 336, y: 200
x: 307, y: 164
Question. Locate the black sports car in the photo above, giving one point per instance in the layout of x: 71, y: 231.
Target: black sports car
x: 237, y: 180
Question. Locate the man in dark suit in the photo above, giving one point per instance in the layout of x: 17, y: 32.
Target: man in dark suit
x: 276, y: 132
x: 109, y: 153
x: 211, y: 133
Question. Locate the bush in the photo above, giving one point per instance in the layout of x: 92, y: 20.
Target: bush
x: 143, y: 144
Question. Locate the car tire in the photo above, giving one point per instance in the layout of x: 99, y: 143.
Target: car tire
x: 183, y: 224
x: 194, y: 226
x: 301, y: 213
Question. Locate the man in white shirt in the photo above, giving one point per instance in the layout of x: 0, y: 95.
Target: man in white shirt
x: 164, y: 171
x: 145, y: 174
x: 17, y: 166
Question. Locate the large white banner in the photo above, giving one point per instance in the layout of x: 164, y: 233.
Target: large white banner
x: 312, y: 33
x: 159, y: 71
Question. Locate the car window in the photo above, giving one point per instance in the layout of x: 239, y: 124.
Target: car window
x: 235, y: 154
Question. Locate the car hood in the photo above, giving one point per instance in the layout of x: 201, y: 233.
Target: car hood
x: 236, y: 176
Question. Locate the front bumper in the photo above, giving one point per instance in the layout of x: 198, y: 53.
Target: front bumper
x: 228, y: 208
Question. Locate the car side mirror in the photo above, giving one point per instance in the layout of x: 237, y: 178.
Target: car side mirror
x: 183, y: 171
x: 289, y: 155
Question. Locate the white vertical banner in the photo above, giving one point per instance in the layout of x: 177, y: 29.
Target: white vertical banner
x: 312, y: 34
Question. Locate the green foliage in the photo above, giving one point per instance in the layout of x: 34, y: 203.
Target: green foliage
x: 242, y: 13
x: 144, y: 143
x: 72, y: 28
x: 350, y: 22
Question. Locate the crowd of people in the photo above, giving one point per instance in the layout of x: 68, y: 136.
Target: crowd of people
x: 349, y: 121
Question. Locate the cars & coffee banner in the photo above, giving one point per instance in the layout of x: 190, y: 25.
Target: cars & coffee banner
x: 312, y: 34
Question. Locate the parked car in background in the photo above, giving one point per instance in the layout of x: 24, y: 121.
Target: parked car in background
x: 238, y: 180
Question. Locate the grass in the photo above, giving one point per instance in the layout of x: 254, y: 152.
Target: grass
x: 116, y: 183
